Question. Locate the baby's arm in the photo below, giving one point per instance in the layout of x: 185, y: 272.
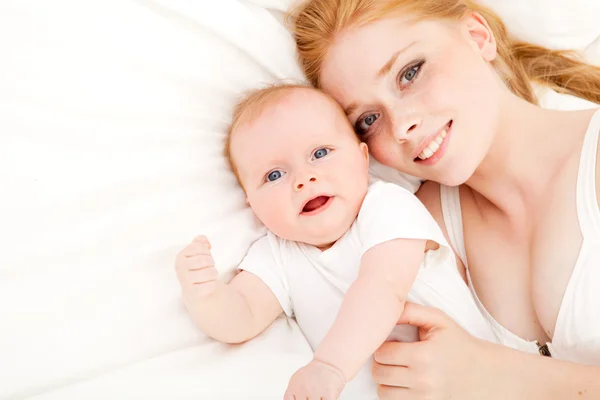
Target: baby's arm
x: 372, y: 304
x: 231, y: 313
x: 395, y: 230
x: 235, y: 312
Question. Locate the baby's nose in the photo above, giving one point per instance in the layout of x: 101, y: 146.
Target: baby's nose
x: 300, y: 185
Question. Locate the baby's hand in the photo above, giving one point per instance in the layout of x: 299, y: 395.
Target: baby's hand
x: 316, y: 380
x: 196, y: 269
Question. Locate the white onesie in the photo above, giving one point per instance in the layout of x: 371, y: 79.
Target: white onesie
x: 310, y: 283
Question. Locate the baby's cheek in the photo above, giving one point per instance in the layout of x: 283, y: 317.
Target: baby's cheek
x: 274, y: 215
x: 383, y: 151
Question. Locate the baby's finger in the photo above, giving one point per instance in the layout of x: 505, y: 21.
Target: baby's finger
x: 199, y: 262
x: 203, y: 276
x: 196, y: 249
x: 202, y: 239
x: 186, y: 264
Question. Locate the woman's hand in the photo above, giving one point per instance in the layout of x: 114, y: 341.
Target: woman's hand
x: 446, y: 363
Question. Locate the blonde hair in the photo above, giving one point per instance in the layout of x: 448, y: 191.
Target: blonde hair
x: 317, y: 22
x: 249, y: 109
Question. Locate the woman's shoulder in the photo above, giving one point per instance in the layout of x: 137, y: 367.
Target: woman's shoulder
x: 588, y: 153
x: 429, y: 195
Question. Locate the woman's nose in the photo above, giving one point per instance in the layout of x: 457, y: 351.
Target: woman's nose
x: 405, y: 126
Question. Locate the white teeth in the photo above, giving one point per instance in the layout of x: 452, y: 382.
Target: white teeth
x: 433, y: 146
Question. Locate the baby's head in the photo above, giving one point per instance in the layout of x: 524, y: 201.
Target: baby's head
x: 304, y: 171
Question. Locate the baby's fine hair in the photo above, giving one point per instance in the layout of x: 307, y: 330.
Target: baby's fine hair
x: 250, y: 107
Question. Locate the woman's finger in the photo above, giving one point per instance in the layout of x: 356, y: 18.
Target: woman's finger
x: 394, y: 393
x: 423, y: 317
x: 392, y: 375
x: 397, y: 353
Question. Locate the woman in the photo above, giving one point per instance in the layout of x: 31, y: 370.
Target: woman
x: 437, y: 89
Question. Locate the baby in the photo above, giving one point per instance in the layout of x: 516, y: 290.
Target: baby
x: 342, y: 254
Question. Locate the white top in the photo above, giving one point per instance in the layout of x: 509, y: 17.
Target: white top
x: 310, y: 283
x: 577, y: 332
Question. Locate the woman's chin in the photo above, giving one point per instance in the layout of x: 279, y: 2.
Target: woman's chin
x: 452, y: 178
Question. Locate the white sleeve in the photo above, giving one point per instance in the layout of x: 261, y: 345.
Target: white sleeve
x: 264, y: 261
x: 391, y: 212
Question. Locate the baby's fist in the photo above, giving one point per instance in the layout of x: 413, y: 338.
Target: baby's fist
x: 195, y: 269
x: 316, y: 380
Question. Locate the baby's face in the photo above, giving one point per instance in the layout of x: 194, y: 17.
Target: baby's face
x: 304, y: 172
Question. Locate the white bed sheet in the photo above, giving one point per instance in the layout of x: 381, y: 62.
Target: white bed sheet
x: 112, y: 116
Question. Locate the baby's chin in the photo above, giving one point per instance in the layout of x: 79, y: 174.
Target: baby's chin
x: 321, y: 230
x: 323, y: 239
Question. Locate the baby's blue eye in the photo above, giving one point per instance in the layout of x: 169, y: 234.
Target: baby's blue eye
x: 274, y: 175
x: 320, y: 153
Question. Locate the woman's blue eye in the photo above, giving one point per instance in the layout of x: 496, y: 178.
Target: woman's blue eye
x: 410, y: 74
x: 274, y: 175
x: 320, y: 153
x: 363, y: 125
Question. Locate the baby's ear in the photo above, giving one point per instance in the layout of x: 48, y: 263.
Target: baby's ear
x: 365, y: 149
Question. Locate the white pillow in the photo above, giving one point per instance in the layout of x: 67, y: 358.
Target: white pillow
x: 568, y: 24
x: 112, y: 119
x: 558, y: 24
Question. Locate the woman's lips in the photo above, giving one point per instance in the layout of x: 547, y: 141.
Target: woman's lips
x: 434, y: 147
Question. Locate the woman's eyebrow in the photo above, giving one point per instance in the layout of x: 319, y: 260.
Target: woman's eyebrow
x: 388, y: 66
x: 384, y: 70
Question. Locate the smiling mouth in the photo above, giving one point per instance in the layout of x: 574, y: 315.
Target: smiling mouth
x: 315, y: 205
x: 434, y: 145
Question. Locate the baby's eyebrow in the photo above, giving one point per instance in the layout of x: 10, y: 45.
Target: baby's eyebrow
x: 350, y: 109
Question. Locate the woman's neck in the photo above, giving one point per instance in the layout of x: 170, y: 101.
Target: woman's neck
x: 527, y: 152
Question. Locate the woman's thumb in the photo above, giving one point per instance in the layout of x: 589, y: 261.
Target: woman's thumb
x: 423, y: 317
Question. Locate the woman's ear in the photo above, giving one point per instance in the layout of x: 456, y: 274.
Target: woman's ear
x: 481, y: 36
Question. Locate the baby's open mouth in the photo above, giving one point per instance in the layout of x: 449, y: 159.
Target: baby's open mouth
x: 315, y: 204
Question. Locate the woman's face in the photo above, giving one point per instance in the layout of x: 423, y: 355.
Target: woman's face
x: 422, y: 95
